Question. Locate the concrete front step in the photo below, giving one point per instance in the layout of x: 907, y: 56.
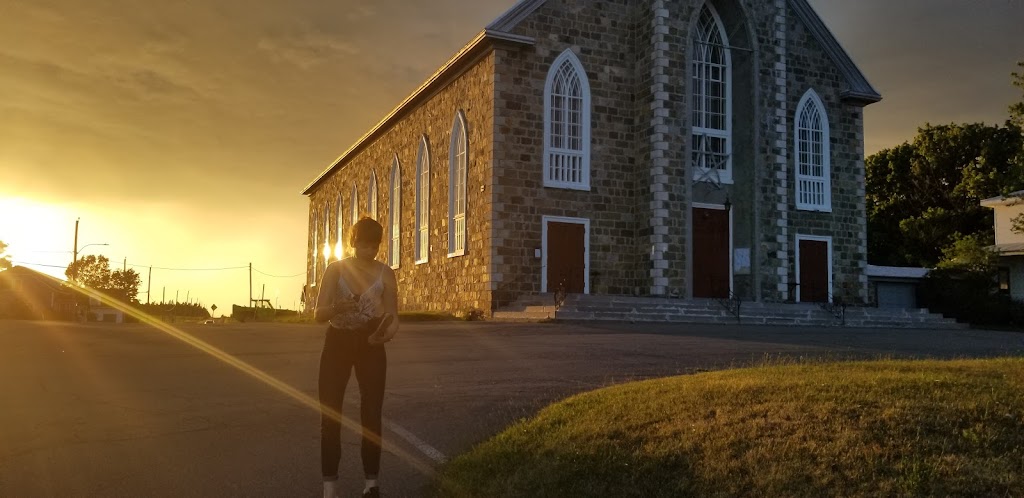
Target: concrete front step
x: 521, y: 316
x: 659, y: 309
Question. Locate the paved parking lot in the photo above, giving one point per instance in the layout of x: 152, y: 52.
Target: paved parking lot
x: 93, y: 410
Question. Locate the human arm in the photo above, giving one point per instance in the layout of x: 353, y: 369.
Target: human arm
x: 389, y: 305
x: 328, y: 304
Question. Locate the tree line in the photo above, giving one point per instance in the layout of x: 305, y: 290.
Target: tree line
x: 923, y: 196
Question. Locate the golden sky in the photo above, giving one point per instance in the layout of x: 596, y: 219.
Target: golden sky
x: 182, y: 132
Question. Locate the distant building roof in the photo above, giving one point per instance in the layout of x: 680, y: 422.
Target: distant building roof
x: 1004, y: 200
x: 24, y: 274
x: 895, y: 272
x: 1015, y: 249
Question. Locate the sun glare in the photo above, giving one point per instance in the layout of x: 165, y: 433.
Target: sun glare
x: 34, y: 231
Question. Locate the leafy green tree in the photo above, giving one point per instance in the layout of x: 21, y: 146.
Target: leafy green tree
x: 90, y: 271
x: 5, y: 260
x: 124, y: 285
x: 968, y: 253
x: 923, y: 195
x: 1017, y: 108
x: 1017, y: 117
x: 94, y: 272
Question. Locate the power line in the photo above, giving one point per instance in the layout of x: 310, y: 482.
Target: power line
x: 279, y: 276
x: 38, y: 264
x: 135, y: 265
x: 188, y: 269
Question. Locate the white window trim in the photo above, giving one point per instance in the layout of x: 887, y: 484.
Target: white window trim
x: 460, y: 122
x: 544, y: 249
x: 584, y: 125
x: 718, y: 207
x: 811, y: 98
x: 725, y: 176
x: 395, y: 216
x: 371, y: 196
x: 422, y: 202
x: 818, y: 238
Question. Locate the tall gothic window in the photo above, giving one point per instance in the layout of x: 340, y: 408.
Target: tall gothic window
x: 327, y: 235
x: 813, y: 162
x: 458, y: 164
x: 423, y: 201
x: 339, y: 247
x: 316, y: 247
x: 712, y: 99
x: 371, y: 197
x: 567, y: 125
x: 355, y: 205
x: 394, y: 212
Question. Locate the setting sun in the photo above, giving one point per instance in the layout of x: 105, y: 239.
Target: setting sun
x: 35, y: 231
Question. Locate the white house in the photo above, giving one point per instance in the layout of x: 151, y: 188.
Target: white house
x: 1009, y: 244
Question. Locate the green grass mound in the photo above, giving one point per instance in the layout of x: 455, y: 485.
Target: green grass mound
x: 889, y: 428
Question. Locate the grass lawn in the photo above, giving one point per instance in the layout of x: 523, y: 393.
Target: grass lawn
x: 887, y: 428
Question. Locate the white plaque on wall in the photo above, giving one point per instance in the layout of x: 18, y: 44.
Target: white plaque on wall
x: 741, y: 261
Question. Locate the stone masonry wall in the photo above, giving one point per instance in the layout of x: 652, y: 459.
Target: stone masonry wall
x: 811, y: 68
x: 663, y: 100
x: 637, y: 56
x: 453, y: 284
x: 601, y: 36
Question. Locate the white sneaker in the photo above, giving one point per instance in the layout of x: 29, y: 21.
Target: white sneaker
x: 330, y: 489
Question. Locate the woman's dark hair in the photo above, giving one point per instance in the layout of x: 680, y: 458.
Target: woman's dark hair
x: 366, y: 230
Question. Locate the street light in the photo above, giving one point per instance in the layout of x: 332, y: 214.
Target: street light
x: 77, y: 249
x: 74, y: 258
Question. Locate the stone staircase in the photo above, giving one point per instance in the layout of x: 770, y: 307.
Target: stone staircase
x: 528, y: 308
x: 579, y: 307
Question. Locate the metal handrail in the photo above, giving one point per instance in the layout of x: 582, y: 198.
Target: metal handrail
x: 836, y: 306
x: 732, y: 304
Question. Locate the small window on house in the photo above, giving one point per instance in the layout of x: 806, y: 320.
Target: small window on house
x: 394, y: 211
x: 423, y: 202
x: 1004, y: 280
x: 813, y: 176
x: 567, y: 125
x: 371, y: 198
x: 458, y: 163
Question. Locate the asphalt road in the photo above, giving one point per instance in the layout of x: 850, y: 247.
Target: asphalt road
x: 94, y: 410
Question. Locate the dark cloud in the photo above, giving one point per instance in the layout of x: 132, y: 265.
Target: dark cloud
x: 935, y: 61
x: 308, y: 50
x: 230, y: 107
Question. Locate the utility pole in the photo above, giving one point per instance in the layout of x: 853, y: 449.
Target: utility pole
x: 250, y: 284
x: 75, y: 257
x: 163, y: 299
x: 149, y: 285
x: 187, y: 293
x: 125, y: 264
x: 175, y: 297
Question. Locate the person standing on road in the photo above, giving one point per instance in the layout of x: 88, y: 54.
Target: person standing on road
x: 358, y: 297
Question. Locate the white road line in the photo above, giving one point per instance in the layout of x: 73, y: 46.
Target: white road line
x: 411, y: 438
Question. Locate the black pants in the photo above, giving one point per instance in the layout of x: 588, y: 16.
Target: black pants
x: 344, y: 350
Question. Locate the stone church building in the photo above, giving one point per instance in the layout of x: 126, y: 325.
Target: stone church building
x: 683, y: 148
